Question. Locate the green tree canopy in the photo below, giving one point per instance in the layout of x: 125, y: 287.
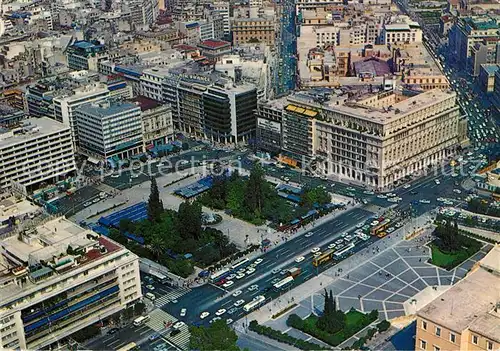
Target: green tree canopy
x: 155, y: 205
x: 218, y: 336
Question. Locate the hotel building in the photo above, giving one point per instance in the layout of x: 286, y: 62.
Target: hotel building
x: 59, y: 278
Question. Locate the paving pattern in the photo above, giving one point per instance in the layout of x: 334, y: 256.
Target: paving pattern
x: 383, y: 282
x: 172, y: 295
x: 158, y: 318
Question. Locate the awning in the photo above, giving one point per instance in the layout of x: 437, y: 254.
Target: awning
x: 94, y: 161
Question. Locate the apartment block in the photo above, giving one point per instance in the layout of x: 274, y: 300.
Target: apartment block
x: 36, y: 150
x: 58, y: 278
x: 269, y: 125
x: 85, y: 55
x: 110, y: 129
x: 400, y: 29
x: 467, y: 316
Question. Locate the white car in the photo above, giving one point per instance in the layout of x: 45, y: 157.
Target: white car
x: 374, y: 223
x: 332, y: 246
x: 275, y: 271
x: 391, y: 195
x: 115, y: 175
x: 437, y: 181
x: 231, y: 276
x: 253, y: 287
x: 458, y: 191
x: 237, y: 293
x: 239, y: 303
x: 250, y: 271
x: 178, y: 325
x: 382, y: 196
x: 344, y: 234
x: 407, y: 186
x: 228, y: 284
x: 150, y: 287
x: 229, y: 321
x: 204, y: 315
x: 424, y: 201
x: 315, y: 249
x: 220, y: 312
x: 240, y: 276
x: 391, y: 229
x: 309, y: 234
x: 183, y: 312
x: 258, y: 261
x: 299, y: 259
x: 317, y: 254
x: 368, y: 192
x: 359, y: 225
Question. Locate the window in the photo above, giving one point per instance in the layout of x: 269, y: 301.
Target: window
x: 475, y: 339
x: 423, y: 344
x: 436, y: 348
x: 438, y: 331
x: 453, y: 337
x: 424, y: 325
x: 489, y: 345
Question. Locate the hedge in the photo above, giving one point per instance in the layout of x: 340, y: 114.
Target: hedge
x: 383, y: 326
x: 283, y: 311
x: 283, y: 337
x: 308, y: 326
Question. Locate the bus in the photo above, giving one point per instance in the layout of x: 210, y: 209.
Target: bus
x: 254, y: 303
x: 380, y: 227
x: 160, y: 278
x: 129, y: 347
x: 240, y: 263
x: 220, y: 274
x: 141, y: 320
x: 324, y: 257
x: 283, y: 284
x: 343, y: 250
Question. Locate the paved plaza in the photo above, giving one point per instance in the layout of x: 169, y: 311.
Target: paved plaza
x: 383, y: 282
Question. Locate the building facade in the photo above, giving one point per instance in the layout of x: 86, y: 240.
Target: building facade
x: 85, y: 55
x: 467, y: 316
x: 110, y: 129
x: 253, y: 30
x: 269, y: 126
x: 157, y: 124
x: 38, y: 150
x: 59, y: 278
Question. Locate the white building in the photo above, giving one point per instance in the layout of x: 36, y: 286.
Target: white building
x: 151, y: 82
x: 401, y: 29
x: 109, y: 129
x: 59, y: 278
x: 38, y: 151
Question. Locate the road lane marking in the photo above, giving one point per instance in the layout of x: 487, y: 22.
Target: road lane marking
x: 307, y: 276
x: 113, y: 342
x: 225, y: 303
x: 255, y: 293
x: 144, y: 332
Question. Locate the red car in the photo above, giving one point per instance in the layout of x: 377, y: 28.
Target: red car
x: 220, y: 282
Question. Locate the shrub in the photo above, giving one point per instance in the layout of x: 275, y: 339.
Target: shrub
x: 358, y: 344
x: 383, y: 326
x: 371, y: 332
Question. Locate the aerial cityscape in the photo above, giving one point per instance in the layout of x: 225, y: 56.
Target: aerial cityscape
x: 250, y: 175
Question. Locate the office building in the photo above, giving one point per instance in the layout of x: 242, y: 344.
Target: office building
x: 58, y: 278
x: 85, y: 55
x: 10, y: 115
x: 486, y: 79
x: 467, y: 316
x: 485, y: 52
x: 35, y: 151
x: 466, y: 33
x: 269, y: 125
x: 157, y: 124
x: 400, y: 29
x: 109, y: 129
x: 214, y: 49
x: 152, y: 82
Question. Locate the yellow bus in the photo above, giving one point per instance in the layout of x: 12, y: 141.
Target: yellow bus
x: 324, y: 257
x: 129, y: 347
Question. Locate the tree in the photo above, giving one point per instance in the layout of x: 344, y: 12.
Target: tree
x: 155, y: 205
x: 190, y: 221
x: 254, y: 192
x: 449, y: 238
x: 115, y: 235
x: 218, y: 336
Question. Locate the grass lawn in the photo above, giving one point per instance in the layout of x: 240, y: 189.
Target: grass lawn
x: 450, y: 260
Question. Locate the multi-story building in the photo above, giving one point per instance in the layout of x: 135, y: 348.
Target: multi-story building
x: 269, y: 128
x: 485, y: 52
x: 35, y: 151
x: 464, y: 35
x: 109, y: 129
x: 85, y: 55
x: 466, y: 316
x: 215, y: 49
x: 58, y: 278
x: 486, y: 79
x: 143, y: 13
x: 222, y: 9
x: 39, y: 98
x: 152, y: 82
x: 253, y: 30
x: 10, y: 115
x: 401, y: 29
x: 375, y: 139
x: 157, y: 125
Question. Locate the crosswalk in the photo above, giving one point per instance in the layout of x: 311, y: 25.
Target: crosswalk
x: 156, y: 322
x: 172, y: 295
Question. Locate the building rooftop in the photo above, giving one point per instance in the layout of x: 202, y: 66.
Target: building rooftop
x: 145, y: 103
x: 373, y: 66
x: 214, y: 44
x: 471, y: 302
x: 108, y: 108
x: 490, y: 69
x: 30, y: 128
x: 46, y: 253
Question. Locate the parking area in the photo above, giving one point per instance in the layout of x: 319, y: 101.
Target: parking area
x: 383, y: 282
x: 71, y: 204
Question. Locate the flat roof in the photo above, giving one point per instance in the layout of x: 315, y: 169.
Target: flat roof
x: 214, y: 44
x: 106, y: 109
x: 491, y: 69
x: 470, y: 302
x: 145, y: 103
x: 33, y: 128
